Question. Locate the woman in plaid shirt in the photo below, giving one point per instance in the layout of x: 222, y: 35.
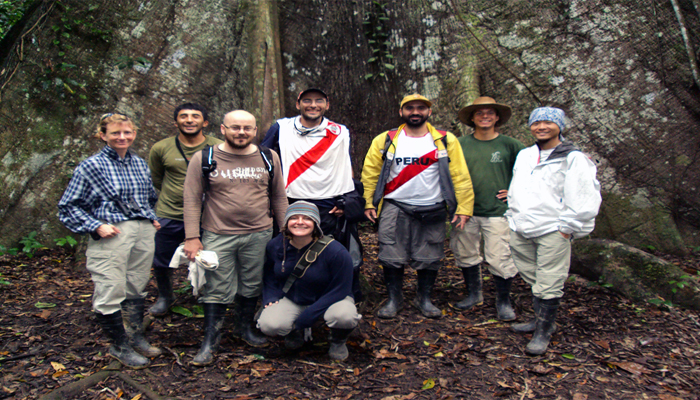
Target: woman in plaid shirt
x: 111, y: 197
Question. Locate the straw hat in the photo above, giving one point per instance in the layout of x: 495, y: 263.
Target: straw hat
x: 465, y: 114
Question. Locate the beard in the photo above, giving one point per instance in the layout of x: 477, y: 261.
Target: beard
x: 188, y: 133
x: 414, y: 124
x: 232, y: 142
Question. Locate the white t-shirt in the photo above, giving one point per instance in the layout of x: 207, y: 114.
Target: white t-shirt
x: 414, y: 177
x: 328, y: 172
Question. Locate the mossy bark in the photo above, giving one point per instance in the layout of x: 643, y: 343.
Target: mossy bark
x: 633, y: 273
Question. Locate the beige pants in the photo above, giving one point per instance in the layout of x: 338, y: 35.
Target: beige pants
x: 543, y: 262
x: 121, y: 266
x: 278, y: 319
x: 465, y: 244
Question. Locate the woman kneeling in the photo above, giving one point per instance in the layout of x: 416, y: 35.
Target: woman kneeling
x: 323, y: 288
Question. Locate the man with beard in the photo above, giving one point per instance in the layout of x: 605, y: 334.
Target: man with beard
x: 420, y: 176
x: 236, y: 223
x: 168, y: 163
x: 315, y: 155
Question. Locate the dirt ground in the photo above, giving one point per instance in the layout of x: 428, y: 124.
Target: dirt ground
x: 605, y: 347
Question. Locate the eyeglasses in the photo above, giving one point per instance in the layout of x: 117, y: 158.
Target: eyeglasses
x: 308, y: 102
x: 105, y: 116
x: 236, y: 128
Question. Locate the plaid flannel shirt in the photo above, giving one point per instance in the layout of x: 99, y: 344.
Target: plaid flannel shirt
x: 87, y: 202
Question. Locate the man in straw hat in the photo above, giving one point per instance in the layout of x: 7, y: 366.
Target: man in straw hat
x: 490, y: 157
x: 420, y: 176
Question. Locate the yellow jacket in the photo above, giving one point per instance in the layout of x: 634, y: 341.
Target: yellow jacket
x: 455, y: 182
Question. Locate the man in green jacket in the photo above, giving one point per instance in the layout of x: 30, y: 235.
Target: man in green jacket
x: 168, y: 161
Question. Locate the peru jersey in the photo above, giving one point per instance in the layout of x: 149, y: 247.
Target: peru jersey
x: 414, y: 175
x: 316, y: 165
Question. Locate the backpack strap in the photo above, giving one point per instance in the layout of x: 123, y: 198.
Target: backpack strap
x: 308, y: 258
x: 389, y: 139
x: 444, y: 141
x: 266, y: 155
x: 208, y: 165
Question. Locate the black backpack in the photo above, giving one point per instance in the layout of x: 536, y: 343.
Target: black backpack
x: 209, y: 165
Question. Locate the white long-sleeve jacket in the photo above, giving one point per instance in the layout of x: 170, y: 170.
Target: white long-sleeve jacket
x: 560, y: 193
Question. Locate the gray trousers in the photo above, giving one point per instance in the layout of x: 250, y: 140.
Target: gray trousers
x: 241, y: 259
x: 278, y: 319
x: 403, y: 240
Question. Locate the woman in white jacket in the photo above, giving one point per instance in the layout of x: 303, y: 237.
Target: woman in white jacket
x: 554, y: 196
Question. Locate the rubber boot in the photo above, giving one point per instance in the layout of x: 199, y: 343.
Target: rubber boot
x: 393, y: 278
x: 472, y: 281
x: 164, y: 280
x: 544, y: 327
x: 294, y: 339
x: 132, y: 311
x: 426, y: 281
x: 504, y: 310
x: 214, y: 314
x: 113, y: 327
x: 528, y: 326
x: 338, y: 339
x: 245, y: 323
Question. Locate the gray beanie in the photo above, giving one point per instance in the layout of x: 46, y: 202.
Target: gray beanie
x: 303, y: 208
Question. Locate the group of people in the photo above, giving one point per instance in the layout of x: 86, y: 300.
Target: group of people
x: 228, y: 197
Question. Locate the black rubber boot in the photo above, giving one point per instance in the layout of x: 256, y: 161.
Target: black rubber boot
x: 214, y: 314
x: 132, y: 311
x: 294, y: 339
x: 472, y: 281
x: 544, y: 327
x: 393, y: 278
x: 503, y: 308
x: 426, y: 281
x: 338, y: 339
x: 164, y: 280
x: 113, y: 326
x: 529, y: 326
x: 245, y: 323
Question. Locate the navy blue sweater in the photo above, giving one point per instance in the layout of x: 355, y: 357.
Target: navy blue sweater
x: 326, y: 281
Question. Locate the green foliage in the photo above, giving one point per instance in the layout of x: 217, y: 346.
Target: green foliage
x: 10, y: 12
x: 376, y: 31
x: 4, y: 250
x: 124, y: 62
x: 30, y: 244
x: 3, y: 281
x: 68, y: 240
x: 186, y: 288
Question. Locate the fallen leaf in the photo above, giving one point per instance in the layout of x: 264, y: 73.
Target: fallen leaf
x: 44, y: 305
x: 44, y: 314
x: 59, y: 373
x: 541, y: 369
x: 603, y: 343
x: 428, y: 384
x: 57, y: 366
x: 137, y: 397
x: 580, y: 396
x: 632, y: 368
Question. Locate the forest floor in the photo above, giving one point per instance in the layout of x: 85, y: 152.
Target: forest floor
x: 605, y: 348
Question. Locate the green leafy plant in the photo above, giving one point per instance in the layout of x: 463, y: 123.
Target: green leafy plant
x: 376, y: 30
x: 186, y: 288
x: 4, y: 250
x: 124, y: 62
x: 30, y: 244
x: 4, y: 281
x: 68, y: 240
x: 11, y: 11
